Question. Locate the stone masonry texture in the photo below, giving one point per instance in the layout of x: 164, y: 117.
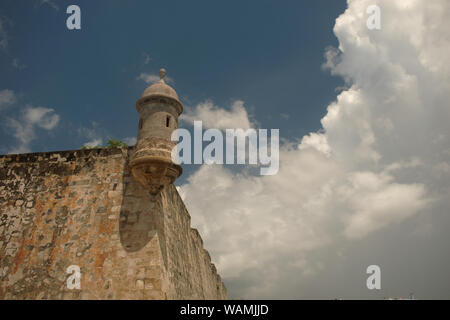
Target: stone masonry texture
x: 84, y: 208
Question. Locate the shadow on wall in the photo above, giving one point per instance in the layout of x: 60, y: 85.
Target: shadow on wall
x: 141, y: 216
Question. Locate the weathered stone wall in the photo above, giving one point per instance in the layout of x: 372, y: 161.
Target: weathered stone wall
x: 83, y: 208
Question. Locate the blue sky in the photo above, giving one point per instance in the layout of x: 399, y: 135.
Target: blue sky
x: 263, y: 53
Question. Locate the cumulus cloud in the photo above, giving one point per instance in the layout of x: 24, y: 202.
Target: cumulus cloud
x: 219, y: 118
x: 7, y: 98
x: 95, y: 142
x: 96, y: 135
x: 24, y: 129
x: 146, y: 57
x: 380, y: 159
x: 42, y: 117
x: 50, y: 3
x: 317, y: 141
x: 131, y: 141
x: 16, y: 64
x: 150, y: 78
x: 375, y: 201
x: 93, y: 134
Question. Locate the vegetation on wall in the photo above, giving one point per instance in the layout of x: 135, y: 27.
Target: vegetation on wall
x: 111, y: 144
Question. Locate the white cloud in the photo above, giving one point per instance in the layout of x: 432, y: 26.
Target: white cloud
x: 96, y: 142
x: 375, y: 201
x: 50, y: 3
x: 16, y: 64
x: 41, y: 117
x: 7, y: 98
x: 317, y: 141
x: 131, y: 141
x: 146, y: 57
x: 152, y: 78
x: 24, y: 130
x: 94, y: 135
x: 215, y: 117
x: 380, y: 159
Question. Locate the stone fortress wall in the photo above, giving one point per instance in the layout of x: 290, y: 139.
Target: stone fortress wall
x: 84, y: 208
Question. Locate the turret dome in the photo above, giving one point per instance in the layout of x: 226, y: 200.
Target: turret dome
x: 151, y: 162
x: 161, y: 88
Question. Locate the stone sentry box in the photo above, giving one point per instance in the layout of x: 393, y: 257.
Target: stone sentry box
x: 115, y: 213
x: 151, y: 164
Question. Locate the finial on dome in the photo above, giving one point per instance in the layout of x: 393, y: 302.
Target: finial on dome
x: 162, y: 74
